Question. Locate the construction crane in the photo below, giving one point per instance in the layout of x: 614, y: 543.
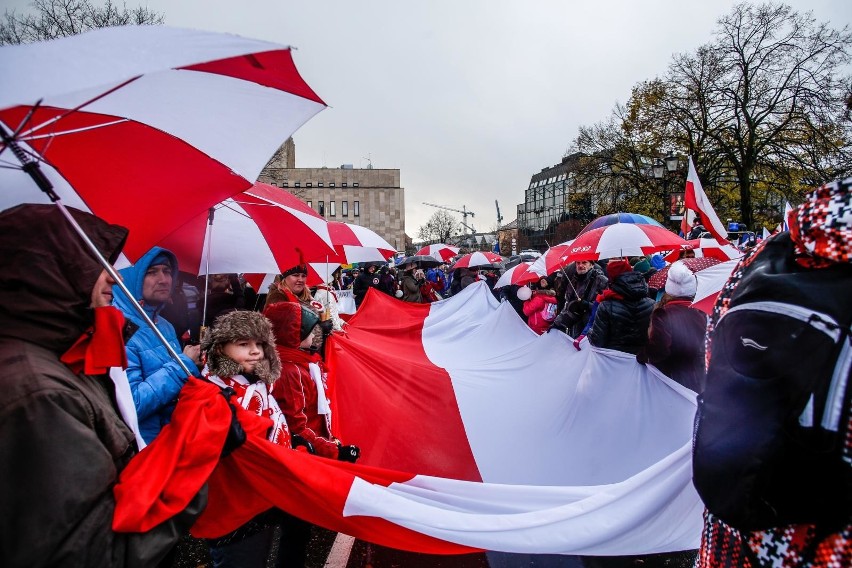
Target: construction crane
x: 464, y: 212
x: 499, y: 217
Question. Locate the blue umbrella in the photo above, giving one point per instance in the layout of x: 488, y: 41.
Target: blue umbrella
x: 614, y: 218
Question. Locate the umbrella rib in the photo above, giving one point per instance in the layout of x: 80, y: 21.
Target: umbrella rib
x: 27, y: 138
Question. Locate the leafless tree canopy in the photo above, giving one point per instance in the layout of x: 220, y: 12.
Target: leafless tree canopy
x: 762, y: 109
x: 49, y: 19
x: 439, y: 228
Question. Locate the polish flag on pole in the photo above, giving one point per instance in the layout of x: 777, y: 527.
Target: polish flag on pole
x: 696, y: 200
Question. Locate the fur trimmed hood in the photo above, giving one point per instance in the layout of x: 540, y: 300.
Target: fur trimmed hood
x: 241, y: 325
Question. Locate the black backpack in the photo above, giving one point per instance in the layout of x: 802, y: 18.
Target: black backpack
x: 772, y: 423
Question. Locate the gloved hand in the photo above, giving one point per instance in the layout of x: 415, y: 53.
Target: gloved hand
x: 296, y: 441
x: 578, y: 307
x: 236, y: 435
x: 326, y: 326
x: 577, y: 342
x: 348, y: 453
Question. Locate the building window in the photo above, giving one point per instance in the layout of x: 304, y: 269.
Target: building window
x: 309, y: 184
x: 285, y: 184
x: 344, y: 209
x: 321, y: 208
x: 319, y: 184
x: 297, y: 184
x: 356, y: 208
x: 355, y: 184
x: 311, y: 204
x: 331, y: 184
x: 331, y: 209
x: 344, y: 184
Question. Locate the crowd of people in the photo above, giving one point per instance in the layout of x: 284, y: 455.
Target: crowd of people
x: 71, y: 426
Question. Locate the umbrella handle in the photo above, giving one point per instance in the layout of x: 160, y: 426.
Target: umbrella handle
x: 120, y: 283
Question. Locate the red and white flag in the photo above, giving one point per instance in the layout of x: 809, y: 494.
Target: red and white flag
x: 696, y: 200
x: 476, y: 434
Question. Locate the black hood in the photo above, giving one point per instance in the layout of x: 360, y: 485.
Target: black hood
x: 47, y: 273
x: 631, y: 285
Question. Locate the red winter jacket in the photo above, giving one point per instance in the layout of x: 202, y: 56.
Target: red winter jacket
x: 540, y: 311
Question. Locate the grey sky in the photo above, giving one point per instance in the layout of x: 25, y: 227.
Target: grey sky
x: 468, y: 98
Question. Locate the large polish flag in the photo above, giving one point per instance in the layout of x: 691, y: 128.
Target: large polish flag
x: 695, y: 199
x: 476, y: 434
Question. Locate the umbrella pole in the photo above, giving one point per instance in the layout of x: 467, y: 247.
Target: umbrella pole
x: 210, y: 213
x: 32, y: 168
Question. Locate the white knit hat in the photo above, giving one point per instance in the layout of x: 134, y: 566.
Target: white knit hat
x: 524, y: 293
x: 681, y: 282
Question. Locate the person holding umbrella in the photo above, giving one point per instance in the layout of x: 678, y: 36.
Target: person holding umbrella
x: 155, y: 378
x: 67, y: 424
x: 410, y: 287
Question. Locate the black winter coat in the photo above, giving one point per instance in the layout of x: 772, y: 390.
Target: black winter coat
x: 623, y: 324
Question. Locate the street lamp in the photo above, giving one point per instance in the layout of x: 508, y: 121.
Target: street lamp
x: 662, y: 170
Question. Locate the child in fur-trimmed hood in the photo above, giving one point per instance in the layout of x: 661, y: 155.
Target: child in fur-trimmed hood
x: 240, y: 354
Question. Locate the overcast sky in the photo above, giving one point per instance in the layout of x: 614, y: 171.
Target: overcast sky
x: 468, y: 98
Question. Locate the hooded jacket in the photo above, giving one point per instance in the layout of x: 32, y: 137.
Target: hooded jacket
x: 296, y: 391
x: 155, y: 378
x: 63, y: 442
x: 622, y: 324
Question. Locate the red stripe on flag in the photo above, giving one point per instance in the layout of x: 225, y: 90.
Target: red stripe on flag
x: 383, y: 348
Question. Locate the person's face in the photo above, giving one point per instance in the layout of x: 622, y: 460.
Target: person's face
x: 157, y: 285
x: 102, y: 291
x: 542, y: 283
x: 247, y: 352
x: 583, y: 266
x: 219, y: 282
x: 308, y: 341
x: 295, y: 282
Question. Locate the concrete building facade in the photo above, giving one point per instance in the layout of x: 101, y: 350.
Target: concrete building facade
x: 370, y: 197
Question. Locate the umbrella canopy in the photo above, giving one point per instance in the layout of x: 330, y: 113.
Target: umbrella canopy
x: 707, y: 248
x: 613, y: 218
x: 658, y: 279
x: 263, y: 230
x: 354, y: 243
x: 423, y: 261
x: 478, y: 259
x: 622, y: 239
x: 553, y: 259
x: 710, y: 282
x: 146, y: 126
x: 519, y: 274
x: 440, y: 251
x: 318, y: 273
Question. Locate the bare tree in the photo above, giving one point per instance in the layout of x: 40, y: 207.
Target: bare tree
x: 50, y: 19
x: 439, y: 228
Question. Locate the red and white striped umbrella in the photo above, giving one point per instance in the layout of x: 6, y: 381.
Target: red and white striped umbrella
x: 354, y: 243
x: 439, y: 251
x: 318, y: 273
x: 622, y: 239
x: 710, y: 283
x: 553, y: 259
x: 710, y: 248
x: 519, y: 274
x: 478, y: 259
x: 265, y: 229
x: 146, y: 126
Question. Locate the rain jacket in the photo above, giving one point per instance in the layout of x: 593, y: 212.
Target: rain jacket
x: 538, y: 309
x: 63, y: 442
x: 155, y: 378
x: 622, y: 319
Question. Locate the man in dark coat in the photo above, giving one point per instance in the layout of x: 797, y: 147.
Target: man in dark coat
x: 624, y: 310
x: 585, y: 281
x: 367, y: 279
x: 64, y: 442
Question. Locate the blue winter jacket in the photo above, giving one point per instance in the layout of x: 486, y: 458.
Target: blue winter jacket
x: 155, y: 378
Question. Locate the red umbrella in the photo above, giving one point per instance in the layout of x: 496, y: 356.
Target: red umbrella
x: 265, y: 229
x: 146, y: 126
x: 519, y: 274
x: 553, y: 259
x: 354, y: 243
x: 658, y: 279
x: 439, y: 251
x: 478, y: 259
x: 706, y: 248
x: 622, y: 239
